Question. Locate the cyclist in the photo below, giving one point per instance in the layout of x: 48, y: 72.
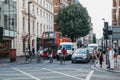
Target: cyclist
x: 50, y: 54
x: 63, y: 55
x: 40, y: 55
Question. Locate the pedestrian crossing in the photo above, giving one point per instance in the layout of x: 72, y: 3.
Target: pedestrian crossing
x: 29, y: 73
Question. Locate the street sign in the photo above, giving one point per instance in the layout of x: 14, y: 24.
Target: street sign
x: 115, y: 32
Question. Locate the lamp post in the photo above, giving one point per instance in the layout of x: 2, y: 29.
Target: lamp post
x: 29, y: 25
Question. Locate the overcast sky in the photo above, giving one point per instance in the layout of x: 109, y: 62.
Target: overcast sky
x: 97, y: 10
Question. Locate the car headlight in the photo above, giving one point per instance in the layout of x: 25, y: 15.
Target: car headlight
x: 84, y: 56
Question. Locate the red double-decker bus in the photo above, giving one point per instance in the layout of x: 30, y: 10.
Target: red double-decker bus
x: 53, y: 39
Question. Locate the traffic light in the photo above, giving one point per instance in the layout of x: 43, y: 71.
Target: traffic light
x: 1, y: 34
x: 105, y: 30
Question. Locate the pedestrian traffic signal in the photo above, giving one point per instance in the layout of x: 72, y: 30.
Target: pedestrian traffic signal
x: 1, y: 34
x: 105, y: 30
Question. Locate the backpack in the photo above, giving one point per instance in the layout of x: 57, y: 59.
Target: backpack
x: 115, y: 50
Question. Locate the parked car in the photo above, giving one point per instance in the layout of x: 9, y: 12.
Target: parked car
x: 81, y: 55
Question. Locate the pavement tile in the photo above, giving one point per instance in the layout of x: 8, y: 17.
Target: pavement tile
x: 117, y: 65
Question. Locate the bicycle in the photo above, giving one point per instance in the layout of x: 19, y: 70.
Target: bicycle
x: 39, y: 58
x: 62, y: 58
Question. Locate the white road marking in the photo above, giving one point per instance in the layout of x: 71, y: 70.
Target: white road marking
x: 95, y: 68
x: 63, y: 74
x: 89, y: 75
x: 26, y: 74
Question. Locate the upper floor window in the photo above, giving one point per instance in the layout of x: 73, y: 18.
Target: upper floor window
x: 44, y: 14
x: 33, y: 8
x: 23, y: 24
x: 40, y: 12
x: 33, y: 28
x: 44, y: 3
x: 23, y: 3
x: 37, y: 11
x: 37, y: 28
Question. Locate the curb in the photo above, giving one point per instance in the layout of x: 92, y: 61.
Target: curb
x: 107, y: 69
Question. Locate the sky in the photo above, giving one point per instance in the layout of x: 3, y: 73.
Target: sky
x: 97, y: 10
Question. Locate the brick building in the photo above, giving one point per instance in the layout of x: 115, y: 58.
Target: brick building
x: 116, y: 13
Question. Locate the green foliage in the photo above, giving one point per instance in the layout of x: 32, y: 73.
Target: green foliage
x: 73, y: 21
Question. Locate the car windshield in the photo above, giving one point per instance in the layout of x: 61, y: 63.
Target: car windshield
x: 80, y: 51
x: 67, y: 47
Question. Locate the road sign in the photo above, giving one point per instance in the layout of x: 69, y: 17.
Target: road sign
x: 115, y: 32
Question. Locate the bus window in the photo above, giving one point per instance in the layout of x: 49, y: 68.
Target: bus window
x: 49, y: 35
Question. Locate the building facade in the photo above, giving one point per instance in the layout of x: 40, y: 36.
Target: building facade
x: 116, y: 21
x: 8, y: 21
x: 40, y: 20
x: 116, y: 13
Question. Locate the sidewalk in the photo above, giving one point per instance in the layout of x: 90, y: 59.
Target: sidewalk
x: 116, y: 69
x: 6, y: 61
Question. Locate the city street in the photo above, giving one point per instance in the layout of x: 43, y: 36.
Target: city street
x: 55, y: 71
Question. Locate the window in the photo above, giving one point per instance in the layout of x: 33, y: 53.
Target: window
x: 23, y: 24
x: 44, y: 14
x: 44, y: 3
x: 47, y: 16
x: 37, y: 28
x: 49, y: 35
x: 33, y: 8
x: 37, y: 11
x: 44, y: 28
x: 41, y: 29
x: 23, y: 3
x: 33, y: 27
x: 41, y: 2
x: 40, y: 12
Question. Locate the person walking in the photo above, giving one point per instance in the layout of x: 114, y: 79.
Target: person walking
x: 100, y: 57
x: 111, y: 58
x: 50, y: 54
x: 94, y: 55
x: 27, y: 56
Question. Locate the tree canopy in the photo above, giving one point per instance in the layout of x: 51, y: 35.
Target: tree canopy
x: 73, y: 21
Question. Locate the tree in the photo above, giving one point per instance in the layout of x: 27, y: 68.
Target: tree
x: 73, y: 21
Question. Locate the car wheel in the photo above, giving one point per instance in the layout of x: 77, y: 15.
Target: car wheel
x: 72, y: 61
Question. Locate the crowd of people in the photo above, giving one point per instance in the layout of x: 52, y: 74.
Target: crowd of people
x: 29, y: 55
x: 97, y: 56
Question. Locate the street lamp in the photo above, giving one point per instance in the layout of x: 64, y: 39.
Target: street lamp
x: 29, y: 25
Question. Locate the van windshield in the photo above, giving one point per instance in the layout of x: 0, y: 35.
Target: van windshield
x: 67, y: 47
x: 90, y: 48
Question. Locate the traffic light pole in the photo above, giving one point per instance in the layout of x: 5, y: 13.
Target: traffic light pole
x: 106, y: 44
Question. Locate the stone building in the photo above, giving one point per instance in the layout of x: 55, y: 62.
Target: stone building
x: 41, y: 19
x: 8, y: 22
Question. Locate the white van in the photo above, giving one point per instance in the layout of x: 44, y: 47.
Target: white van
x: 91, y: 47
x: 69, y: 46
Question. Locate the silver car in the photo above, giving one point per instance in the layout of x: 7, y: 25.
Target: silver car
x: 80, y: 55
